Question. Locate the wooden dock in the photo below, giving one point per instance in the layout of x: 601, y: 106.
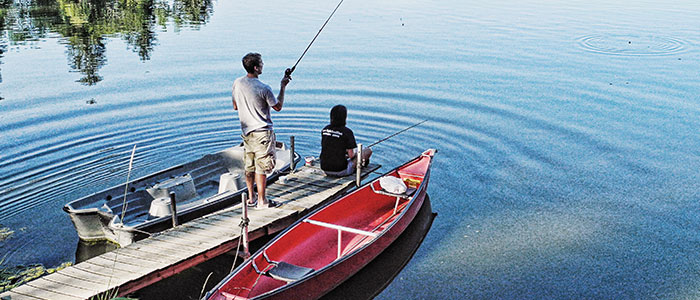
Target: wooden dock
x: 168, y: 253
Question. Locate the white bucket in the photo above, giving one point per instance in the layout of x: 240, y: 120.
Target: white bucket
x: 228, y: 182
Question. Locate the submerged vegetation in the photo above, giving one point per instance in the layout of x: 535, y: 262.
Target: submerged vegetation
x: 11, y: 277
x: 5, y: 233
x: 85, y: 25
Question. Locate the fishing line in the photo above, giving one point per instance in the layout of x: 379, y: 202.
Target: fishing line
x: 126, y: 185
x: 289, y: 71
x: 397, y: 133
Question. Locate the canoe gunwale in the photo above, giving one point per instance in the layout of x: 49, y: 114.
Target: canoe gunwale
x: 420, y: 193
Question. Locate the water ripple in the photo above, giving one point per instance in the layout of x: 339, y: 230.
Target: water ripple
x: 633, y: 45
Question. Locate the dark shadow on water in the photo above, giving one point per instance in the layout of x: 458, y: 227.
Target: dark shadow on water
x: 377, y: 275
x: 88, y: 250
x: 366, y: 284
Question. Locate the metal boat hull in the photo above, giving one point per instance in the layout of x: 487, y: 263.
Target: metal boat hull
x: 199, y: 184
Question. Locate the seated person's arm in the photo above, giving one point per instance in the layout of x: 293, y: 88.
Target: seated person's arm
x: 351, y: 153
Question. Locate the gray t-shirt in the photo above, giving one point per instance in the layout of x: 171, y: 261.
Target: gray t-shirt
x: 254, y: 100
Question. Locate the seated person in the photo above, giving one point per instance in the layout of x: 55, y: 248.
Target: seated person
x: 338, y: 146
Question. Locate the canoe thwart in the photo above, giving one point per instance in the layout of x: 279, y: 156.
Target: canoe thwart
x: 341, y: 228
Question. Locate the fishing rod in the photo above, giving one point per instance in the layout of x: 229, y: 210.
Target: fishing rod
x: 289, y: 71
x: 397, y: 133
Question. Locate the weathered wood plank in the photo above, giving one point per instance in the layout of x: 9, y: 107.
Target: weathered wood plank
x: 12, y: 295
x: 114, y: 273
x: 225, y: 231
x: 189, y: 237
x: 190, y: 242
x: 86, y: 278
x: 44, y: 290
x: 283, y: 189
x: 174, y: 244
x: 64, y: 279
x: 58, y: 280
x: 220, y: 220
x: 140, y: 259
x: 124, y: 263
x: 158, y: 257
x: 174, y: 250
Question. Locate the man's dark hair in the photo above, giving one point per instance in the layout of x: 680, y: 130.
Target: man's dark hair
x: 338, y: 115
x: 251, y: 60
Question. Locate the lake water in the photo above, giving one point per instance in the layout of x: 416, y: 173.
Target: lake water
x: 569, y: 149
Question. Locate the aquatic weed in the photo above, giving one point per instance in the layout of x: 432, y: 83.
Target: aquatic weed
x: 11, y: 277
x: 5, y: 233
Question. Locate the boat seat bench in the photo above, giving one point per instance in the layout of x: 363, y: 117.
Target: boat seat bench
x: 284, y: 271
x: 288, y: 272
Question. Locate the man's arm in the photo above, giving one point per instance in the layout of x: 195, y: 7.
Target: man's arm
x: 233, y: 98
x: 280, y: 96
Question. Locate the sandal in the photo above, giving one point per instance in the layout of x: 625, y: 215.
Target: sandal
x: 254, y: 204
x: 273, y: 204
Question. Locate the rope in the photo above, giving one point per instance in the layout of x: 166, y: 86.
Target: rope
x: 205, y: 285
x: 244, y: 222
x: 260, y: 275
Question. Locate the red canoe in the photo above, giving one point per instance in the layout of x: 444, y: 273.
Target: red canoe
x: 329, y: 245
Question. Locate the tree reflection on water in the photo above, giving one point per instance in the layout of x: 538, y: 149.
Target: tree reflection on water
x: 85, y: 26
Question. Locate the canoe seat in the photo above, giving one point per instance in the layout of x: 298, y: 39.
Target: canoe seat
x: 409, y: 191
x: 286, y: 271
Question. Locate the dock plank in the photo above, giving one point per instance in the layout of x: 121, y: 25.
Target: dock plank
x: 13, y: 295
x: 44, y: 289
x: 65, y: 286
x: 174, y: 250
x: 63, y: 279
x: 145, y: 255
x: 227, y: 230
x: 115, y: 273
x: 87, y: 278
x: 123, y: 263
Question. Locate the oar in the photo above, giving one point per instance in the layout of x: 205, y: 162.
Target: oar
x: 397, y: 133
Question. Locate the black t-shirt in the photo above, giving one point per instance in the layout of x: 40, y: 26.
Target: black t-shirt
x: 335, y: 142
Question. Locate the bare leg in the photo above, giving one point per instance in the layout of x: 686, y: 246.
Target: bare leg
x: 366, y: 153
x: 249, y: 180
x: 261, y: 181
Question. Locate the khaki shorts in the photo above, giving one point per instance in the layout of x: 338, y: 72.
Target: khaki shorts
x: 259, y: 151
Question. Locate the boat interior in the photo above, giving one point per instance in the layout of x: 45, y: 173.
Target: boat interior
x: 193, y: 184
x: 326, y: 236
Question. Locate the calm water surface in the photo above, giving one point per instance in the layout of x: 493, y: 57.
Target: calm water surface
x: 567, y: 131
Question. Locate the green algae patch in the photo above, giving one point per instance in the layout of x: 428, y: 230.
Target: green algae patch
x: 11, y: 277
x: 5, y: 233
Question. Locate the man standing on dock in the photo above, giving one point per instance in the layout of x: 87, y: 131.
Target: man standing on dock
x: 253, y: 99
